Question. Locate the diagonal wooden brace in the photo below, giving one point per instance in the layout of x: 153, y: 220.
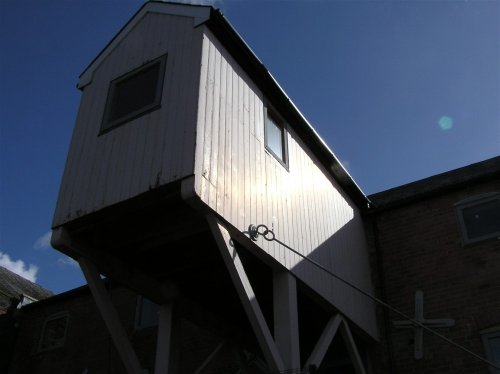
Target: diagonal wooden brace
x: 110, y: 317
x: 246, y: 294
x: 335, y: 324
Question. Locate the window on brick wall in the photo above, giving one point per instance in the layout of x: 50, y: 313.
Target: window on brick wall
x: 53, y: 332
x: 479, y: 217
x: 491, y: 342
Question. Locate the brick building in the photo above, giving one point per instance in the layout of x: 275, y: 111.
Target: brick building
x: 66, y: 334
x: 15, y: 292
x: 440, y: 236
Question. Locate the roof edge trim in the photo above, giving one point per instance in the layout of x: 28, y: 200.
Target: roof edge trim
x: 200, y: 15
x: 247, y: 59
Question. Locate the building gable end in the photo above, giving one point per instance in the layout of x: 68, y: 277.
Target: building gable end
x: 200, y: 14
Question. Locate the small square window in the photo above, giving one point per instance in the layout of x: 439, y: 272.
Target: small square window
x: 275, y: 137
x: 491, y: 342
x: 134, y: 94
x: 53, y: 332
x: 479, y: 217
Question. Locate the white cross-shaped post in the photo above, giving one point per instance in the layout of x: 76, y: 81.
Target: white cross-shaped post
x: 419, y: 317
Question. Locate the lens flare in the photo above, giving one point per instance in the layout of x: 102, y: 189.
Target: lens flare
x: 445, y: 123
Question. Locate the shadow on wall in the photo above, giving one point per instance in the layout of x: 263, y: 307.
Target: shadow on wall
x: 345, y: 254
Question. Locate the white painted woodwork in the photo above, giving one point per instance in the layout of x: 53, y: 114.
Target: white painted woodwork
x: 211, y: 125
x: 286, y: 319
x: 110, y: 317
x: 163, y: 343
x: 246, y: 294
x: 331, y: 329
x: 418, y: 340
x: 210, y: 358
x: 147, y: 152
x: 198, y: 14
x: 245, y: 184
x: 324, y: 341
x: 352, y: 348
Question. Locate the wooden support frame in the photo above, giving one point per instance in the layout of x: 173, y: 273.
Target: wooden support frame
x: 246, y: 294
x: 205, y: 364
x: 331, y: 329
x: 115, y: 268
x: 351, y: 348
x: 324, y: 341
x: 162, y: 293
x: 110, y: 316
x: 286, y: 319
x: 164, y: 340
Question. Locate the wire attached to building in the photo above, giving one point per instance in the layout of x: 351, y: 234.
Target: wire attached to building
x: 268, y: 235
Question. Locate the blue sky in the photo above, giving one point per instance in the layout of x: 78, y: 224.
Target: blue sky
x: 399, y: 90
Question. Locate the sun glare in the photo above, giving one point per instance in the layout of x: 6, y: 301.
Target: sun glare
x: 445, y: 123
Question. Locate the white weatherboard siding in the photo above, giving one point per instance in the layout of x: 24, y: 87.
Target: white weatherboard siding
x: 150, y: 151
x: 246, y: 185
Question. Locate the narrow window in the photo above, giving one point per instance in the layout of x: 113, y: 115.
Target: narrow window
x: 53, y: 332
x: 479, y: 218
x: 275, y: 137
x: 134, y: 94
x: 491, y: 342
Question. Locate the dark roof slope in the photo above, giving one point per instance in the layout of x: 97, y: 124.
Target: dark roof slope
x: 475, y: 173
x: 13, y: 285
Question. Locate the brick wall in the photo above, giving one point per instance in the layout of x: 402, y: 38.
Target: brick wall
x: 419, y: 248
x: 88, y: 348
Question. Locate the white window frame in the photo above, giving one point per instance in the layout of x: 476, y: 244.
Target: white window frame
x: 486, y: 335
x: 278, y: 120
x: 471, y: 202
x: 60, y: 342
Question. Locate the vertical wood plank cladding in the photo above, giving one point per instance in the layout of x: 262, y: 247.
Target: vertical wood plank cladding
x: 149, y: 151
x: 246, y: 185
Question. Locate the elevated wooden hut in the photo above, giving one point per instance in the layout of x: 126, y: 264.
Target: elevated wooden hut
x: 183, y: 141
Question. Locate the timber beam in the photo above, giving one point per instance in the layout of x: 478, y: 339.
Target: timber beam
x: 335, y: 324
x: 115, y: 268
x: 246, y: 295
x: 110, y: 317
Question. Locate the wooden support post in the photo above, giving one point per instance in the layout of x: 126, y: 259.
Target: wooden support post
x: 286, y: 322
x: 351, y: 348
x: 246, y: 294
x: 164, y: 340
x: 110, y: 317
x: 324, y: 341
x: 205, y: 364
x: 334, y: 324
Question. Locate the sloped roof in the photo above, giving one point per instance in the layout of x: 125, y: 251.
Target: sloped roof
x: 13, y: 285
x: 256, y: 70
x: 487, y: 170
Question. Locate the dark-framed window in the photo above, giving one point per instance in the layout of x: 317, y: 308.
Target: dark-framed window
x: 53, y: 332
x: 491, y: 342
x: 134, y: 94
x: 479, y: 217
x: 275, y: 136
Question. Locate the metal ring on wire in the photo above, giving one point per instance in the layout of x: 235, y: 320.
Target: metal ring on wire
x: 266, y: 233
